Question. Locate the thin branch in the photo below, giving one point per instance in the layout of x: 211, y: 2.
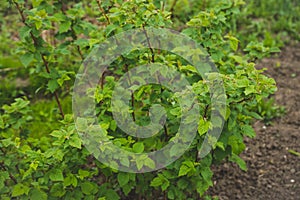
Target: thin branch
x: 103, y: 11
x: 149, y: 44
x: 46, y: 64
x: 10, y: 175
x: 173, y: 6
x: 74, y: 36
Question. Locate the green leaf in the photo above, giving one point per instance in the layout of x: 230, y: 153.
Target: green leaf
x: 36, y: 194
x: 63, y: 78
x: 275, y: 50
x: 186, y: 167
x: 56, y: 134
x: 255, y: 115
x: 203, y: 126
x: 138, y: 147
x: 111, y: 194
x: 248, y: 131
x: 19, y: 190
x: 165, y: 185
x: 110, y: 28
x: 207, y: 174
x: 75, y: 141
x: 113, y: 125
x: 156, y: 182
x: 241, y: 163
x: 294, y: 152
x: 139, y: 163
x: 149, y: 163
x: 249, y: 90
x: 1, y: 122
x: 70, y: 180
x: 83, y: 173
x: 36, y: 3
x: 182, y: 184
x: 57, y: 190
x: 123, y: 178
x: 234, y: 43
x: 87, y: 188
x: 38, y: 24
x: 56, y: 175
x: 125, y: 161
x: 183, y: 170
x: 24, y: 32
x: 26, y: 59
x: 52, y: 85
x: 65, y: 26
x: 175, y: 149
x: 126, y: 189
x: 171, y: 194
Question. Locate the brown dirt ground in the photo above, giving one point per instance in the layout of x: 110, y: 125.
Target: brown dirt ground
x: 273, y: 172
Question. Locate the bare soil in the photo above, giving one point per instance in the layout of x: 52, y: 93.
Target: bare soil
x: 273, y: 172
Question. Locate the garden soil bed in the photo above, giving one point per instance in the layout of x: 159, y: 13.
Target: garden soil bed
x: 273, y: 172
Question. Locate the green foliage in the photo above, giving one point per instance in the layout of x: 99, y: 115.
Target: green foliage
x: 273, y: 22
x: 268, y: 110
x: 42, y: 155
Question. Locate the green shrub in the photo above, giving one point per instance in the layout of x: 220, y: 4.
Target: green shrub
x: 55, y: 165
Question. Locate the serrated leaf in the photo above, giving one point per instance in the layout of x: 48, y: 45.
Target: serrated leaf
x: 139, y: 163
x: 255, y: 115
x: 183, y: 170
x: 207, y: 174
x: 156, y: 182
x: 36, y: 194
x: 203, y: 126
x: 83, y: 173
x: 70, y: 180
x: 125, y: 161
x: 24, y: 32
x: 26, y: 59
x: 52, y: 85
x: 248, y: 131
x: 87, y: 188
x: 241, y: 163
x: 149, y: 163
x: 165, y: 185
x: 126, y: 189
x: 56, y: 175
x: 1, y: 122
x: 123, y: 178
x: 19, y: 190
x: 57, y: 190
x: 234, y: 43
x: 75, y: 141
x: 64, y: 27
x: 56, y: 134
x: 138, y: 147
x: 111, y: 194
x: 249, y: 90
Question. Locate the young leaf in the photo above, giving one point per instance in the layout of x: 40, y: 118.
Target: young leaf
x: 183, y: 170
